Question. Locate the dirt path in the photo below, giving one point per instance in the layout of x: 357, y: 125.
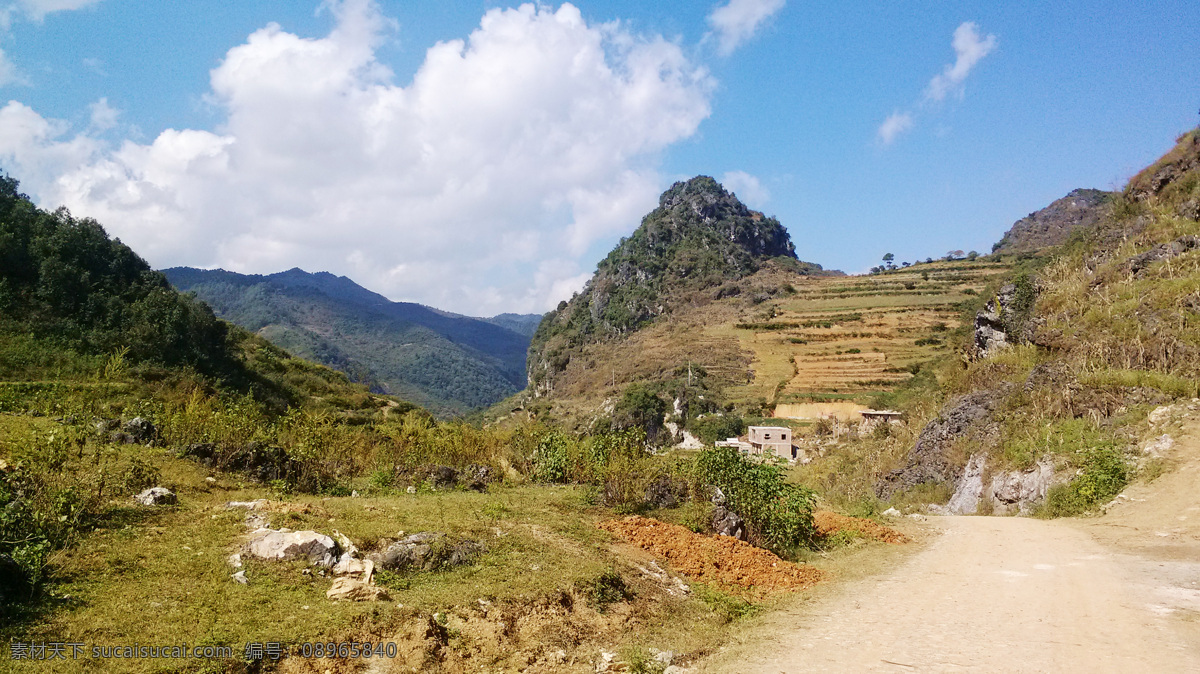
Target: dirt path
x: 992, y: 595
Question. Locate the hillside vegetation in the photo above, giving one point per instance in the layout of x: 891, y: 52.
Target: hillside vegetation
x: 1051, y: 388
x: 447, y: 363
x: 113, y: 382
x: 698, y: 238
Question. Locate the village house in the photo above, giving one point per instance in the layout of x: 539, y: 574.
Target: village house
x: 775, y: 440
x: 762, y: 440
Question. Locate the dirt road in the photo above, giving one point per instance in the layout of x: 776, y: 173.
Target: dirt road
x: 999, y: 594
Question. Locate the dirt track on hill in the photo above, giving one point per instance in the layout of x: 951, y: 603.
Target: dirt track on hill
x: 991, y: 595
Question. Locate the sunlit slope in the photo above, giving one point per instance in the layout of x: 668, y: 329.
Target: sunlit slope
x: 854, y: 336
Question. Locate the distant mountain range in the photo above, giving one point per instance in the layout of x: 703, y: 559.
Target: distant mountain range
x: 447, y: 363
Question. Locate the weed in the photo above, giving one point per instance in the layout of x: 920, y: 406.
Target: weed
x: 604, y: 590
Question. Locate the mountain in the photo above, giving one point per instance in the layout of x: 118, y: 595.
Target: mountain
x: 695, y: 248
x: 76, y: 305
x: 448, y: 363
x: 1054, y: 224
x: 524, y: 324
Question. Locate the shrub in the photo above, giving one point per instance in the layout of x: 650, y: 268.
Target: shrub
x: 1104, y: 475
x: 778, y: 514
x: 718, y: 427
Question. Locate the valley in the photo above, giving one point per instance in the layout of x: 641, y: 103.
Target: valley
x: 170, y: 477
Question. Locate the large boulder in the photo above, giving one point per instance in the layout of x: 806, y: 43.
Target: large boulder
x: 156, y: 496
x: 928, y: 461
x: 140, y: 430
x: 269, y: 544
x: 728, y: 523
x: 412, y: 553
x: 427, y: 551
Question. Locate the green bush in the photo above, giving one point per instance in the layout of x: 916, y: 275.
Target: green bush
x: 718, y: 427
x: 778, y: 514
x: 1105, y: 474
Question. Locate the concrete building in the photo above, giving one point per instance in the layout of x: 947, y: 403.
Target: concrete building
x: 775, y: 440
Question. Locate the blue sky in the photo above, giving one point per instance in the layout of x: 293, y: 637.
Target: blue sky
x: 482, y: 157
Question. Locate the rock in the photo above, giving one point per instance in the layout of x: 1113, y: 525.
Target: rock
x: 965, y: 500
x: 1164, y: 251
x: 402, y: 556
x: 411, y: 490
x: 421, y: 552
x: 349, y: 589
x: 202, y: 451
x: 240, y: 577
x: 466, y: 552
x: 156, y: 496
x: 349, y: 566
x: 235, y: 560
x: 1158, y: 446
x: 728, y: 523
x: 718, y: 497
x: 927, y: 461
x: 317, y: 548
x: 257, y: 504
x: 1159, y: 415
x: 141, y: 430
x: 1021, y: 489
x: 1004, y: 320
x: 477, y: 478
x: 442, y: 476
x: 103, y: 426
x: 892, y: 512
x: 666, y: 492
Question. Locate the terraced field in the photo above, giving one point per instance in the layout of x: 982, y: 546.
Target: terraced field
x: 847, y: 338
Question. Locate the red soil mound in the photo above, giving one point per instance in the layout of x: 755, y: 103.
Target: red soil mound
x: 719, y: 560
x: 828, y: 523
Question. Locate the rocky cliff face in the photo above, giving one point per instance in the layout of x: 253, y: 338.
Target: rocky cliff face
x: 700, y: 236
x: 1054, y: 224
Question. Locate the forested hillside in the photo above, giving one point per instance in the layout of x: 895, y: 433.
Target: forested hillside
x: 447, y: 363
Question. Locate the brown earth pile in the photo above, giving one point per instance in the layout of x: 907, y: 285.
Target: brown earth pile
x: 714, y: 559
x: 828, y: 524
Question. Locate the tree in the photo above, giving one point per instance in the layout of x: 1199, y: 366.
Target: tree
x: 972, y: 255
x: 888, y: 258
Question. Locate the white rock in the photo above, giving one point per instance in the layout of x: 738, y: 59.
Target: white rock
x: 258, y: 504
x: 317, y: 548
x: 349, y: 589
x: 970, y: 488
x: 1158, y: 446
x: 235, y: 560
x: 892, y: 512
x: 1159, y: 414
x: 411, y: 490
x: 156, y: 496
x: 240, y: 577
x: 349, y: 566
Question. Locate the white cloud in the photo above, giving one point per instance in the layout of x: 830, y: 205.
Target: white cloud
x: 747, y: 188
x: 94, y: 65
x: 896, y: 124
x: 476, y: 188
x: 737, y: 20
x: 38, y: 9
x: 8, y: 72
x: 969, y: 48
x: 104, y: 116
